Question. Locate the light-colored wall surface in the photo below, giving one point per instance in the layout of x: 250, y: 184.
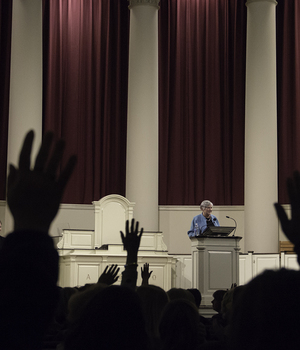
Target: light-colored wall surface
x: 73, y: 216
x: 174, y: 222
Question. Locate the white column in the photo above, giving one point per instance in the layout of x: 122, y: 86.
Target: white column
x: 142, y: 133
x: 25, y: 109
x: 261, y: 224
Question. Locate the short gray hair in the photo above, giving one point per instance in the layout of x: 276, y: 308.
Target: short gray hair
x: 205, y: 203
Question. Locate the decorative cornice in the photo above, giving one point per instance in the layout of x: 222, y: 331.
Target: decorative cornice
x: 153, y: 3
x: 251, y: 1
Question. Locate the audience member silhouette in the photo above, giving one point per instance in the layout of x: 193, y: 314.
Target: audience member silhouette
x: 197, y: 296
x: 205, y: 321
x: 28, y: 260
x: 264, y: 314
x: 55, y: 333
x: 266, y: 311
x: 180, y: 326
x: 153, y: 300
x: 1, y: 237
x: 145, y: 274
x: 131, y: 243
x: 112, y: 319
x: 71, y: 303
x: 291, y: 227
x: 217, y: 300
x: 113, y: 308
x: 180, y: 293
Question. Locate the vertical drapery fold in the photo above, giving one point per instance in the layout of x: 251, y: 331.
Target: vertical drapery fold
x: 5, y: 54
x: 202, y: 110
x: 201, y: 121
x: 288, y: 92
x: 85, y: 91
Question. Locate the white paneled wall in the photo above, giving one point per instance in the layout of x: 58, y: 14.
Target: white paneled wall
x: 174, y: 222
x: 183, y: 274
x: 250, y: 265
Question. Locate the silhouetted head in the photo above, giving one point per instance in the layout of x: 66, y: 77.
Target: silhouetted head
x: 112, y: 319
x: 217, y: 299
x: 153, y: 300
x: 197, y: 296
x: 180, y: 293
x: 180, y: 326
x: 266, y: 314
x: 79, y: 300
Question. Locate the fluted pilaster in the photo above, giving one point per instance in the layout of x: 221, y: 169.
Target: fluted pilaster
x: 261, y: 224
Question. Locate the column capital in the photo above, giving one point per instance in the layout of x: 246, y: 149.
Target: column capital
x: 252, y: 1
x: 133, y: 3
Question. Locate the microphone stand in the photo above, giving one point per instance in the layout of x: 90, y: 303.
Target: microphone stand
x: 228, y: 217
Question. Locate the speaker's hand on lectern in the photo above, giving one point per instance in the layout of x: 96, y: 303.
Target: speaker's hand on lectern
x: 291, y: 227
x: 34, y: 195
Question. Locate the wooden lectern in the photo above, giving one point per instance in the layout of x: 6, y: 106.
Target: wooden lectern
x: 215, y: 264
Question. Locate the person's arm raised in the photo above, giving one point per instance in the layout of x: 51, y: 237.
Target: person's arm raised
x: 109, y: 275
x: 131, y: 243
x: 28, y: 261
x: 145, y: 274
x: 291, y: 227
x: 34, y: 195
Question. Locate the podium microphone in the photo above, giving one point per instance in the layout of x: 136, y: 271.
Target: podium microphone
x: 228, y: 217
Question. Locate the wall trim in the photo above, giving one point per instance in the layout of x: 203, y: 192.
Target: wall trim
x: 196, y: 207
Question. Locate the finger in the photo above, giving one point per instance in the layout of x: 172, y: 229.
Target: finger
x: 291, y: 190
x: 55, y: 159
x: 297, y: 192
x: 293, y: 196
x: 141, y: 233
x: 122, y: 236
x: 113, y: 269
x: 105, y: 270
x: 24, y: 159
x: 11, y: 176
x: 281, y: 215
x: 67, y: 172
x: 116, y: 278
x: 132, y: 226
x: 43, y: 153
x: 136, y: 228
x: 127, y: 227
x: 117, y: 271
x: 297, y: 181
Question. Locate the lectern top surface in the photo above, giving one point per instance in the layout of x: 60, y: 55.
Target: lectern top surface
x: 220, y: 231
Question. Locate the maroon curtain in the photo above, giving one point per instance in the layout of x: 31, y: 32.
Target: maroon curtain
x: 85, y: 91
x: 5, y: 45
x: 202, y: 48
x: 288, y: 92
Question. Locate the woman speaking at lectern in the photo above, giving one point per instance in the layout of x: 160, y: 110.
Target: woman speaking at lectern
x: 200, y: 222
